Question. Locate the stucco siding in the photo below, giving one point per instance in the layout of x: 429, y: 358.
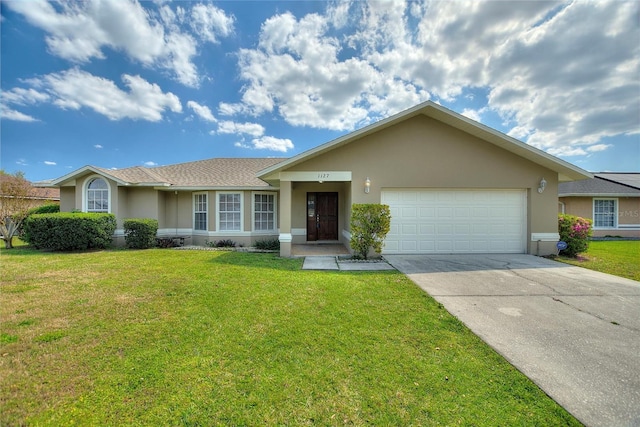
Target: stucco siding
x: 424, y: 153
x: 67, y: 199
x: 578, y: 206
x: 629, y: 210
x: 140, y: 203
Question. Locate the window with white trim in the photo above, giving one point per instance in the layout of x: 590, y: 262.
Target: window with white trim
x: 200, y: 211
x: 98, y: 195
x: 605, y: 213
x: 264, y: 211
x: 229, y: 211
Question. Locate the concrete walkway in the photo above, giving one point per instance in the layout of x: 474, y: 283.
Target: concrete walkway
x: 333, y: 263
x: 574, y: 332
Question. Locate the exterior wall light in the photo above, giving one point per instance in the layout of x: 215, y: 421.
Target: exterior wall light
x: 367, y: 185
x: 543, y: 185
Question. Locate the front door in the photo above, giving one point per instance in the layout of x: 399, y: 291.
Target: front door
x: 322, y: 216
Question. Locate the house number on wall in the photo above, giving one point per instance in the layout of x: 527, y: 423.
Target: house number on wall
x: 324, y: 175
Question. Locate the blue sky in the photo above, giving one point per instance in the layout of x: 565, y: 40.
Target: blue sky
x: 123, y: 83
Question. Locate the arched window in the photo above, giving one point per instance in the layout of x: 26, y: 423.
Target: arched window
x: 98, y: 196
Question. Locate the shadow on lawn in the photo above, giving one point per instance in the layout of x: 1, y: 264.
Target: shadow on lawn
x: 257, y: 260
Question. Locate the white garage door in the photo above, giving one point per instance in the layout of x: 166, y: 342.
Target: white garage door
x: 455, y: 221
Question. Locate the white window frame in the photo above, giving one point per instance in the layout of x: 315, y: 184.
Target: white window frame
x: 219, y: 212
x: 254, y: 211
x: 196, y: 210
x: 85, y: 194
x: 615, y: 213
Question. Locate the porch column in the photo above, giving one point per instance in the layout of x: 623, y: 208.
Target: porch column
x: 285, y: 219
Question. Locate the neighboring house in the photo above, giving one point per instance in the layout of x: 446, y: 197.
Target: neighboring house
x: 611, y: 200
x: 39, y: 193
x: 453, y: 185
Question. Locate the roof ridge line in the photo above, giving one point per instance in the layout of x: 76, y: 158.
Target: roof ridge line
x: 617, y: 182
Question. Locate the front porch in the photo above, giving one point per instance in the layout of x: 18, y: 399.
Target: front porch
x: 318, y: 249
x: 314, y: 210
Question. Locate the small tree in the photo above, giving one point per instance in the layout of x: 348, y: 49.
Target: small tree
x: 575, y: 232
x: 17, y: 196
x: 370, y: 224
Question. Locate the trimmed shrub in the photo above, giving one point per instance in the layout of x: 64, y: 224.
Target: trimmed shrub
x: 224, y: 243
x: 370, y: 224
x: 140, y: 233
x: 45, y: 209
x: 69, y: 231
x: 575, y: 231
x: 268, y: 245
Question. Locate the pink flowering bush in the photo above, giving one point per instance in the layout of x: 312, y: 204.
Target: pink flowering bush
x: 575, y: 231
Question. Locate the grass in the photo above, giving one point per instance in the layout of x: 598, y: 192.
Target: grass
x: 163, y: 337
x: 619, y: 258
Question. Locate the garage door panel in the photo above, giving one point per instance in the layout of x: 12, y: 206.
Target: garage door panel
x: 409, y: 229
x: 427, y: 213
x: 456, y: 221
x: 427, y: 247
x: 427, y: 229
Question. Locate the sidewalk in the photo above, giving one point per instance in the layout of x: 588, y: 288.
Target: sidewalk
x: 332, y: 263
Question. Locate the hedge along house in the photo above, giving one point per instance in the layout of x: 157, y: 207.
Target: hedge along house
x: 453, y: 185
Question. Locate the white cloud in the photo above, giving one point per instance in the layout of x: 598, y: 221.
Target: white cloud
x: 228, y: 109
x: 7, y: 113
x: 229, y: 127
x: 79, y: 32
x: 98, y: 146
x: 23, y: 96
x: 202, y: 111
x: 598, y: 147
x: 150, y: 163
x: 209, y: 22
x: 74, y: 89
x: 272, y: 143
x: 562, y: 76
x: 297, y: 69
x: 49, y: 163
x: 472, y: 114
x: 567, y: 151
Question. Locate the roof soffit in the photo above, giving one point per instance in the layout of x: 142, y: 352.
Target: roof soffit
x: 566, y: 171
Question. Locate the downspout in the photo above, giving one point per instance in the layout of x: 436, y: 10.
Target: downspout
x: 176, y: 193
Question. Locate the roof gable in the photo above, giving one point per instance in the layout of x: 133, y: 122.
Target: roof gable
x: 565, y: 170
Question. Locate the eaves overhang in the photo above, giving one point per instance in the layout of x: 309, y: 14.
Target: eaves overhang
x: 566, y: 171
x: 58, y: 182
x: 215, y: 188
x: 603, y: 195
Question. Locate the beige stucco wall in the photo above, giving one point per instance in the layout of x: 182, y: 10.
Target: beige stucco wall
x: 67, y: 199
x: 628, y: 214
x: 578, y: 206
x: 173, y: 210
x: 424, y: 153
x: 139, y: 202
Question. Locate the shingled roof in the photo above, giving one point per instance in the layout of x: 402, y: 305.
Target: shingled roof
x: 605, y: 185
x: 209, y: 173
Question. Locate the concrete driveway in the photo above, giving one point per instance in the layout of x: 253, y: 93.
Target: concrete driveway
x: 574, y: 332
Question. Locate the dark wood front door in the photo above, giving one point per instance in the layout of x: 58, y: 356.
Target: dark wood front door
x: 322, y: 216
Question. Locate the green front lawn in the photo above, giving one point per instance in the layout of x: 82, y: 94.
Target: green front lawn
x: 620, y: 258
x: 164, y: 337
